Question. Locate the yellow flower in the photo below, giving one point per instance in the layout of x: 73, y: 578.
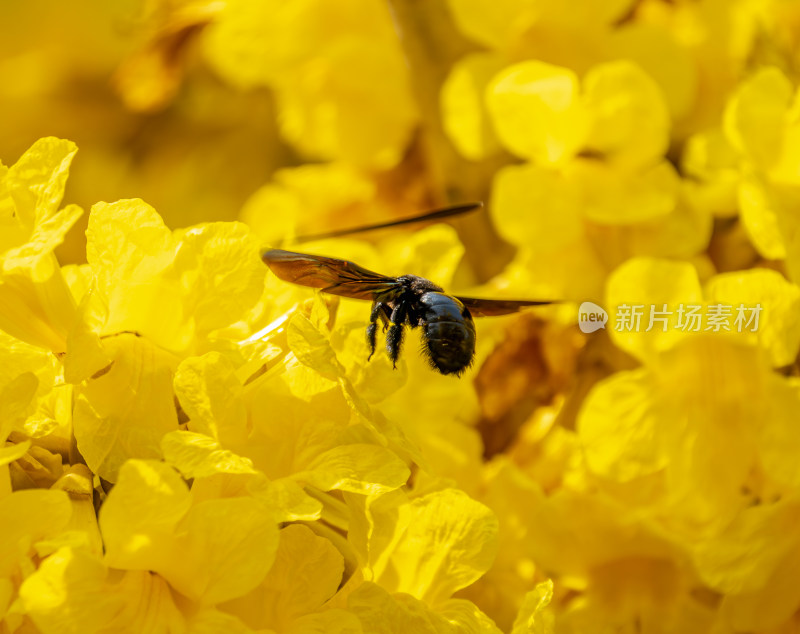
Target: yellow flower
x: 124, y: 410
x: 536, y: 616
x: 37, y: 305
x: 311, y: 199
x: 274, y: 427
x: 761, y: 128
x: 151, y: 522
x: 74, y: 591
x: 327, y: 67
x: 308, y: 423
x: 597, y: 189
x: 677, y: 436
x: 609, y: 564
x: 307, y: 572
x: 751, y: 562
x: 173, y: 288
x: 428, y: 546
x: 382, y: 612
x: 757, y: 307
x: 536, y: 28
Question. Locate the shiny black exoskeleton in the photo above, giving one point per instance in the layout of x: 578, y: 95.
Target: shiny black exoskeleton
x: 448, y: 332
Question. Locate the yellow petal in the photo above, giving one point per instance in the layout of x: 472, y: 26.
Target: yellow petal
x: 762, y: 213
x: 212, y: 621
x: 629, y: 120
x: 384, y: 613
x: 139, y: 517
x: 222, y: 273
x: 619, y: 429
x: 328, y: 621
x: 772, y: 606
x: 584, y: 13
x: 464, y: 114
x: 712, y: 164
x: 465, y: 616
x: 150, y: 604
x: 200, y: 456
x: 252, y: 44
x: 32, y: 257
x: 36, y: 182
x: 755, y: 116
x: 567, y: 548
x: 124, y: 411
x: 328, y: 65
x: 86, y: 353
x: 371, y: 379
x: 536, y: 207
x: 360, y: 468
x: 70, y: 594
x: 288, y: 501
x: 39, y: 306
x: 127, y: 240
x: 609, y: 195
x: 660, y: 53
x: 27, y: 517
x: 777, y: 443
x: 536, y: 615
x: 744, y: 557
x: 10, y: 453
x: 76, y: 480
x: 787, y: 168
x: 496, y: 26
x: 37, y: 312
x: 537, y: 112
x: 445, y: 543
x: 322, y: 106
x: 433, y: 253
x: 777, y: 330
x: 211, y: 396
x: 654, y: 290
x: 312, y: 347
x: 16, y: 401
x: 708, y: 431
x: 310, y: 195
x: 224, y: 549
x: 131, y: 254
x: 306, y: 573
x: 683, y: 234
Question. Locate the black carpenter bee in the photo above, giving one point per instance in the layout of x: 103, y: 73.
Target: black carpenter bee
x: 448, y: 332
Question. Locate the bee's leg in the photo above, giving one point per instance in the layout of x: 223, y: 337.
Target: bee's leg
x: 372, y: 328
x: 394, y: 338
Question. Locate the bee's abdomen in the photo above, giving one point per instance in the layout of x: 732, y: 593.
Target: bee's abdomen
x: 448, y: 333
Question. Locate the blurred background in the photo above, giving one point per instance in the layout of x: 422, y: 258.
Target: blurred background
x: 196, y: 106
x: 150, y: 119
x: 206, y: 109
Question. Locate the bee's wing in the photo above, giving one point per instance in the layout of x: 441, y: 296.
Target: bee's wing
x: 330, y: 275
x: 492, y: 307
x: 436, y: 214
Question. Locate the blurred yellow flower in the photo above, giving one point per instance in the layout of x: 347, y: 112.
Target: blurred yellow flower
x: 327, y: 65
x: 598, y: 188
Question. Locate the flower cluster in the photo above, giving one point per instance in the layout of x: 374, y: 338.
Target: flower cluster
x: 192, y: 445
